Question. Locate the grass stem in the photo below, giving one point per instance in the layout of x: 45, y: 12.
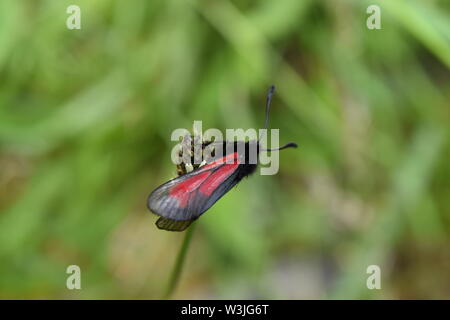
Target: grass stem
x: 179, y: 263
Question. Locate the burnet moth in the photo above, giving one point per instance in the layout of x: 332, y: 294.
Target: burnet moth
x: 180, y: 201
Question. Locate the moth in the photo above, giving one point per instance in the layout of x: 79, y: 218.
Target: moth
x: 180, y: 201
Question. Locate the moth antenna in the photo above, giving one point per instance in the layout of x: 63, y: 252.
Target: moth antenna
x: 287, y: 145
x: 268, y: 102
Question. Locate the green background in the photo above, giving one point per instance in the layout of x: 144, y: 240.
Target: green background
x: 85, y: 123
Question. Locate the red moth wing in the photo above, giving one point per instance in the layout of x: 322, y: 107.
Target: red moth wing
x: 183, y: 190
x: 188, y: 196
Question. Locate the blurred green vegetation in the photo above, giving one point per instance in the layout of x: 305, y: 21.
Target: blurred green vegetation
x: 85, y: 123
